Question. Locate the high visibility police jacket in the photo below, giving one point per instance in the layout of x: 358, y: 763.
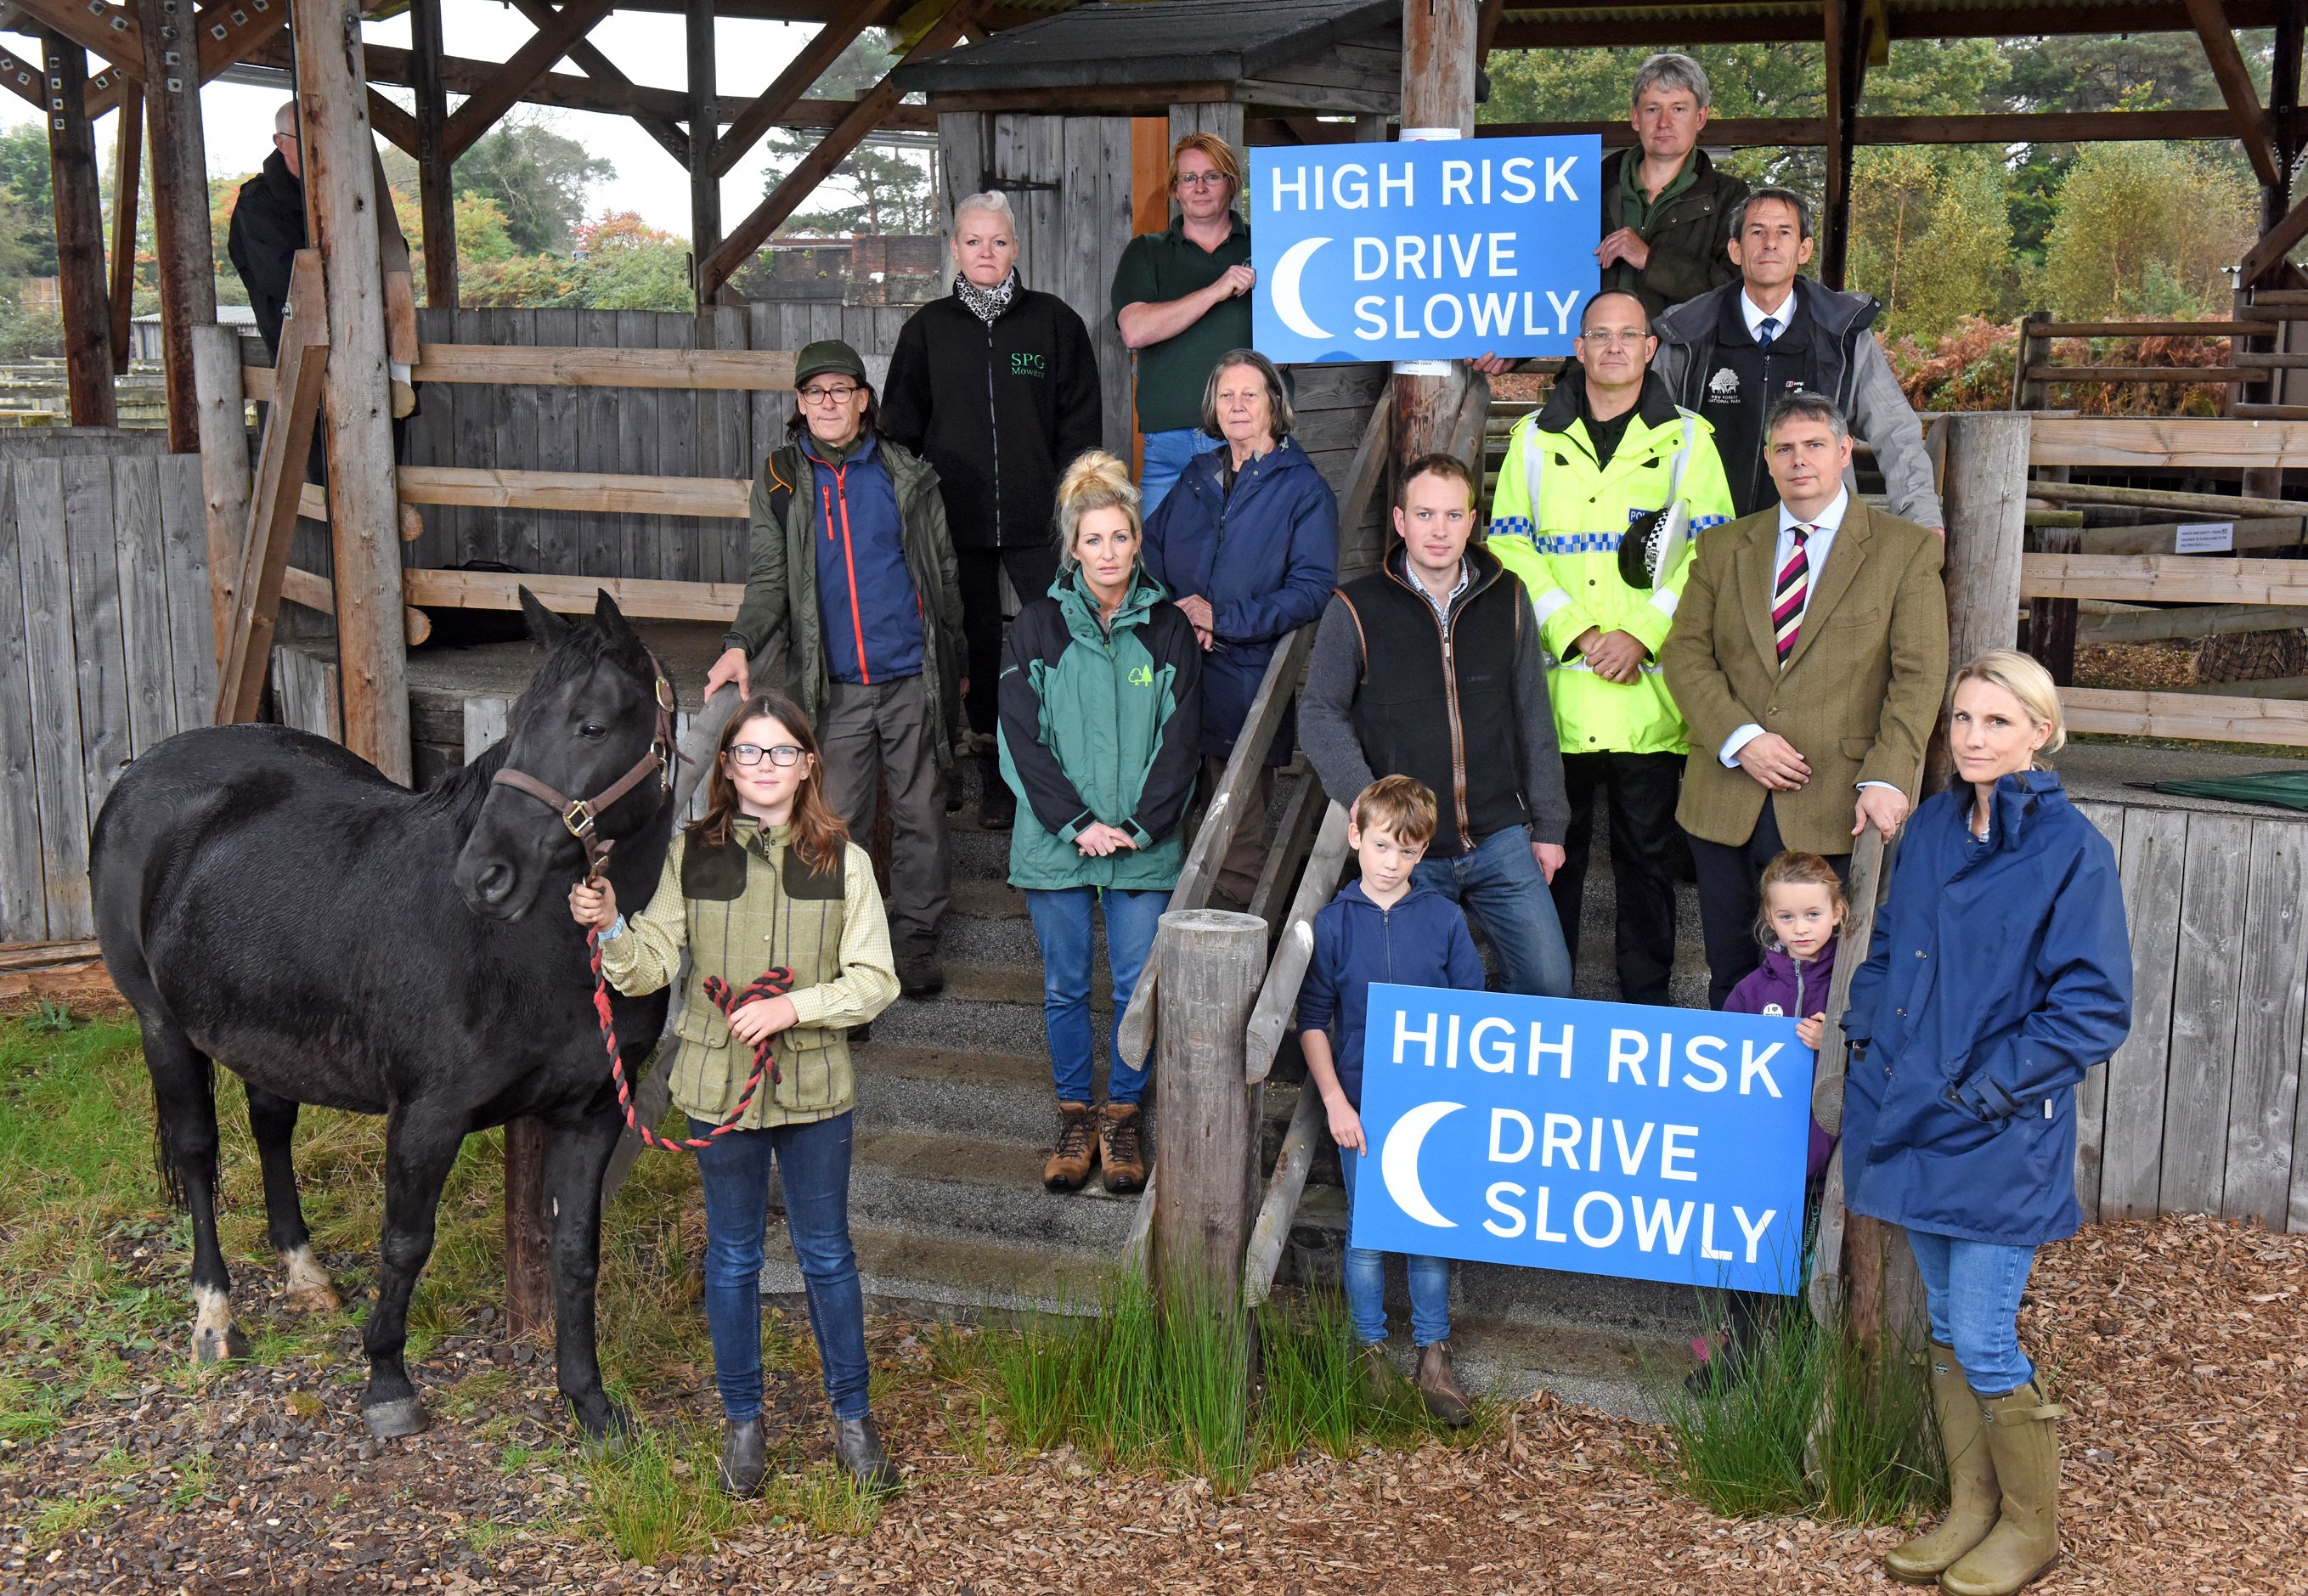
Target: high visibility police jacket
x: 1557, y: 520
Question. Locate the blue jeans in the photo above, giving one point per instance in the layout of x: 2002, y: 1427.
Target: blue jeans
x: 1972, y: 1291
x: 813, y: 1162
x: 1167, y: 455
x: 1500, y: 885
x: 1062, y: 927
x: 1366, y: 1272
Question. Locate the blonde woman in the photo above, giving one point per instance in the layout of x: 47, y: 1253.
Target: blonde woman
x: 1999, y: 973
x: 1101, y: 722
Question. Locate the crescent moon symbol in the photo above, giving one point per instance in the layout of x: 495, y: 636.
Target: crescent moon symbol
x: 1287, y: 305
x: 1398, y: 1163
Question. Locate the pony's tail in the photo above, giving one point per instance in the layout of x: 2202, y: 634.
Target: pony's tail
x: 173, y: 1189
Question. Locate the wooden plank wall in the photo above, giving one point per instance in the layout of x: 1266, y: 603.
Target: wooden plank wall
x: 106, y: 650
x: 1334, y: 405
x: 2199, y: 1111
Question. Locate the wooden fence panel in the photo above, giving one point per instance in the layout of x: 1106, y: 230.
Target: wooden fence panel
x: 99, y: 654
x: 59, y: 781
x: 2205, y: 982
x: 141, y: 565
x: 185, y: 557
x: 676, y: 454
x: 2263, y: 1097
x: 2154, y: 843
x: 2091, y: 1094
x: 560, y: 533
x: 520, y: 540
x: 602, y: 538
x: 637, y: 411
x: 23, y: 891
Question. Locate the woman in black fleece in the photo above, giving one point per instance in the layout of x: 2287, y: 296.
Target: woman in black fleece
x: 997, y: 387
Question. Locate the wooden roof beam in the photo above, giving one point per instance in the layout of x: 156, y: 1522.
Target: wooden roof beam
x: 23, y: 76
x: 2274, y: 245
x: 530, y: 62
x: 230, y: 32
x: 586, y: 56
x: 784, y: 199
x: 2235, y: 88
x: 762, y: 113
x: 1634, y: 26
x: 107, y: 29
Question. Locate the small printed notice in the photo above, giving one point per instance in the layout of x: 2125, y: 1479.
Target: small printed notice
x: 2206, y: 537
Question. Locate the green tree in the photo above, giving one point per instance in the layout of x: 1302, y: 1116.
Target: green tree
x: 627, y: 264
x: 539, y: 178
x: 1929, y: 236
x: 888, y: 188
x: 2145, y: 230
x: 24, y: 182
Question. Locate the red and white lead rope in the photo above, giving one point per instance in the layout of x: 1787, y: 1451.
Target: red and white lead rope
x: 774, y: 982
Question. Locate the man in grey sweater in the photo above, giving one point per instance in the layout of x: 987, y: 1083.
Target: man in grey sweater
x: 1432, y: 668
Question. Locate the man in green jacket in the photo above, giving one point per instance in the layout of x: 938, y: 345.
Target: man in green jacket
x: 1666, y: 210
x: 851, y: 558
x: 1610, y: 447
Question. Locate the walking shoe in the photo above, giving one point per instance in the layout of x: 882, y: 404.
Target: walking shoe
x: 1121, y: 1147
x: 998, y: 806
x: 1971, y: 1480
x: 1069, y: 1165
x: 745, y: 1451
x: 2026, y: 1453
x: 1380, y: 1380
x: 919, y: 973
x: 1438, y: 1387
x: 858, y: 1446
x: 1720, y: 1367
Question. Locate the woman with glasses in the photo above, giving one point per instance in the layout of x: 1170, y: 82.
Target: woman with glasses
x: 852, y: 559
x: 997, y: 387
x: 767, y: 884
x: 1248, y: 542
x: 1181, y: 300
x: 1101, y: 711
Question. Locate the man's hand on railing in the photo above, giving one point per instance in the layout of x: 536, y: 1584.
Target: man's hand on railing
x: 731, y: 666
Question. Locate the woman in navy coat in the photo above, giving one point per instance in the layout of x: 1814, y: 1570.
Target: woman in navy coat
x: 1248, y: 540
x: 1999, y: 973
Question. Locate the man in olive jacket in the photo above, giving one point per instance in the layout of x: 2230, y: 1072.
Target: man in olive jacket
x: 1808, y: 655
x: 851, y: 559
x: 1666, y: 210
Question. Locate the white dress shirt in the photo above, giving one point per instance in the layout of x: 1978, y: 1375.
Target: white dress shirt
x: 1756, y: 315
x: 1821, y: 540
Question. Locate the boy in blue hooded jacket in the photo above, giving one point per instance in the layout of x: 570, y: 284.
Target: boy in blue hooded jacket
x: 1384, y: 928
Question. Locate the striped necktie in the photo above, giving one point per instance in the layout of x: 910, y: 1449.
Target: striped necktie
x: 1788, y: 592
x: 1766, y: 331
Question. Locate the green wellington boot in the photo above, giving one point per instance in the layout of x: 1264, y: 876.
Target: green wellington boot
x: 2026, y: 1541
x: 1971, y: 1480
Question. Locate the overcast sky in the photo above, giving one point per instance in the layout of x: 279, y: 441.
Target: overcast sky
x: 648, y: 45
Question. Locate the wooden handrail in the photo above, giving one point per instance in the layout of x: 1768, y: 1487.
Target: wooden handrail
x: 2228, y: 375
x: 1279, y: 996
x: 2157, y: 498
x: 1863, y: 890
x: 2163, y: 578
x: 1280, y: 1209
x: 728, y: 370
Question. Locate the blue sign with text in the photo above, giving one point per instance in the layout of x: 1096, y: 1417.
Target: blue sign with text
x: 1422, y: 251
x: 1608, y: 1138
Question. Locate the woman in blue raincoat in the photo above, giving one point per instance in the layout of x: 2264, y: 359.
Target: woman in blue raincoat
x: 1999, y: 973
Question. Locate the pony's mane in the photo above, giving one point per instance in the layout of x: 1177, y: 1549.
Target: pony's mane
x: 461, y: 794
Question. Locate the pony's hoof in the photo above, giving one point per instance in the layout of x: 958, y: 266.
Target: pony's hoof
x: 212, y: 1344
x: 609, y: 1433
x: 389, y: 1421
x: 315, y: 1299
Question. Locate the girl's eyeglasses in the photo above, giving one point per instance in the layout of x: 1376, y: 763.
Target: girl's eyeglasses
x: 750, y: 755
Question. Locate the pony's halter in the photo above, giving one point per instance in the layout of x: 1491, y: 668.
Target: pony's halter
x: 578, y: 815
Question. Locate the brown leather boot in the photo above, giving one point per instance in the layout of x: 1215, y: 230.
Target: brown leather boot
x: 1971, y: 1480
x: 1121, y: 1147
x: 1077, y: 1152
x: 1438, y: 1387
x: 2026, y: 1541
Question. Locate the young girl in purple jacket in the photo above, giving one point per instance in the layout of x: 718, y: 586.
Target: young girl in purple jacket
x: 1801, y: 917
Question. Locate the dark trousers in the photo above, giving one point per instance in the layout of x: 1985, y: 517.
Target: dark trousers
x: 979, y: 574
x: 1730, y: 892
x: 1643, y: 788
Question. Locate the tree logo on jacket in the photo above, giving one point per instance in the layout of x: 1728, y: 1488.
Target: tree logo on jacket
x: 1142, y: 676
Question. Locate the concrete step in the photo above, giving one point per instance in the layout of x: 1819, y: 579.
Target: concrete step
x: 1016, y: 982
x: 999, y: 1097
x: 952, y: 1021
x: 919, y: 1276
x: 963, y: 1188
x: 985, y: 900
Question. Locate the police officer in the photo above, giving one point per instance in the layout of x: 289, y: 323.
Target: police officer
x: 1581, y: 476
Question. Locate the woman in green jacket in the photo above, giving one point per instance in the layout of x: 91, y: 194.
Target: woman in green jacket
x: 1101, y: 728
x: 768, y: 881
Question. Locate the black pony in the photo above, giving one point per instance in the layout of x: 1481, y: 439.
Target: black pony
x: 270, y: 902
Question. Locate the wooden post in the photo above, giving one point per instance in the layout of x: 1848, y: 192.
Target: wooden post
x: 224, y: 469
x: 2028, y: 394
x: 704, y: 128
x: 180, y: 202
x: 2283, y: 102
x: 436, y: 198
x: 1212, y: 963
x: 80, y: 236
x: 1846, y: 65
x: 127, y: 157
x: 1438, y: 102
x: 340, y: 200
x: 529, y: 1236
x: 2052, y: 622
x: 1985, y: 502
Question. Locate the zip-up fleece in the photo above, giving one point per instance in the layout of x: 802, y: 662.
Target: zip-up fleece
x: 868, y: 612
x: 1100, y: 723
x: 1687, y: 234
x: 781, y: 586
x: 1780, y: 985
x: 1421, y: 942
x: 1558, y: 522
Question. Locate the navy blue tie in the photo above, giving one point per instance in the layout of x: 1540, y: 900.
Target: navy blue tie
x: 1765, y: 330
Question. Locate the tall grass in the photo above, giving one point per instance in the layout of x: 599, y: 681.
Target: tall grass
x: 1190, y: 1386
x: 1816, y: 1426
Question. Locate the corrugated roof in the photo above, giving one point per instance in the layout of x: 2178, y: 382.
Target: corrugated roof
x: 1177, y: 42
